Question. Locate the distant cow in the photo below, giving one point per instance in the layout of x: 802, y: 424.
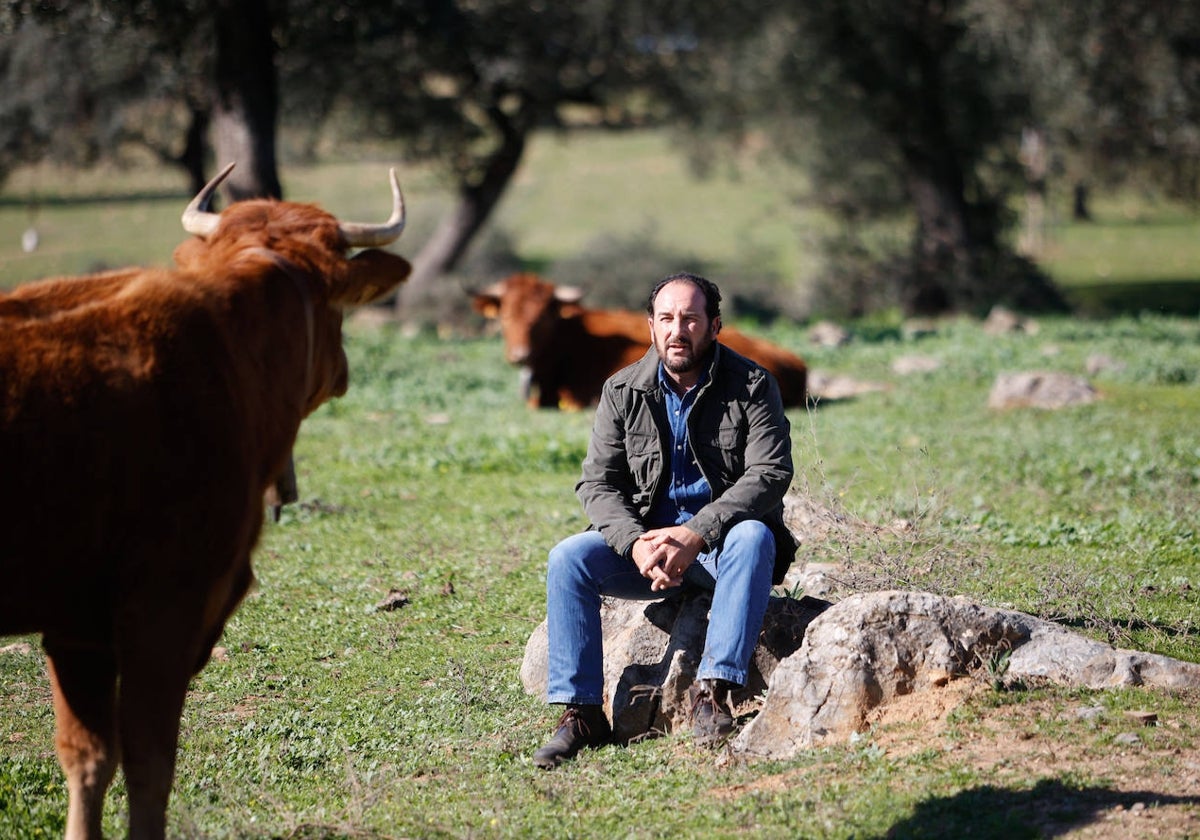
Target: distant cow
x: 568, y: 351
x: 143, y: 414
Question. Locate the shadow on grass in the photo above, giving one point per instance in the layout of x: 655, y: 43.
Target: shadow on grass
x: 1119, y: 628
x: 1048, y: 809
x: 1163, y: 297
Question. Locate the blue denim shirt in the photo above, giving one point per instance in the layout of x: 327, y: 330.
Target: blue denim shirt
x: 687, y: 489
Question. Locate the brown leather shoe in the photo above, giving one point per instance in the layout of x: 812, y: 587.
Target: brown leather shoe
x: 712, y: 714
x: 579, y: 727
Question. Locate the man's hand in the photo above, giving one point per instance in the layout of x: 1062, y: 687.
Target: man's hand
x: 664, y: 554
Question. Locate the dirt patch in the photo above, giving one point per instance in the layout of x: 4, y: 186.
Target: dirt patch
x: 1070, y: 766
x: 906, y: 724
x: 1116, y: 774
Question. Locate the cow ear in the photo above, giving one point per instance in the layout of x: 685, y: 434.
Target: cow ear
x: 486, y: 305
x: 369, y: 275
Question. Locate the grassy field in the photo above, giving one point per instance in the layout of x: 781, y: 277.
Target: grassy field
x: 577, y: 190
x: 567, y: 194
x: 325, y: 716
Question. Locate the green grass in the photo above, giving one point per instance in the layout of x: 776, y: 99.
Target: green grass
x: 331, y: 718
x: 571, y: 191
x: 567, y: 193
x: 1133, y: 257
x: 328, y: 717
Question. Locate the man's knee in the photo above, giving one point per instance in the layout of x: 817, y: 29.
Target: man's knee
x: 570, y: 557
x: 752, y: 535
x: 562, y: 561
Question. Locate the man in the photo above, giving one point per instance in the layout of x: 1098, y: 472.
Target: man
x: 684, y: 479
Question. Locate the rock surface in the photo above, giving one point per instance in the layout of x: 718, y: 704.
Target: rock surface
x: 652, y: 650
x: 1039, y: 389
x: 824, y: 667
x: 874, y: 647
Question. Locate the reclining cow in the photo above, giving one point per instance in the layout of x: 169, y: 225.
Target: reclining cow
x: 566, y: 351
x: 143, y: 414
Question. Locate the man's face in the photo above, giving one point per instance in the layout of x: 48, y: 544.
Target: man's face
x: 680, y: 328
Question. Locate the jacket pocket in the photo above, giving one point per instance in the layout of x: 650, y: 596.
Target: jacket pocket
x: 645, y: 458
x: 724, y: 452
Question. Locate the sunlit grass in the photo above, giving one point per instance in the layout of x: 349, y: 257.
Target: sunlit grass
x: 571, y: 190
x: 328, y: 715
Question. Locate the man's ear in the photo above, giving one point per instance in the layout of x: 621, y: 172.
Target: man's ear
x: 715, y: 326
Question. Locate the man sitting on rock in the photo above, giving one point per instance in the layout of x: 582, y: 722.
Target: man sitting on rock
x: 688, y: 464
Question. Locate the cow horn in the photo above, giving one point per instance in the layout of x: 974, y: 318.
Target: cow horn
x: 568, y: 294
x: 359, y: 235
x: 197, y: 219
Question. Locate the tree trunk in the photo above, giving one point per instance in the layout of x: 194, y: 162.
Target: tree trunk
x: 1080, y: 205
x: 941, y: 270
x: 247, y: 102
x: 245, y: 109
x: 1036, y: 161
x: 192, y: 158
x: 454, y: 233
x: 936, y: 177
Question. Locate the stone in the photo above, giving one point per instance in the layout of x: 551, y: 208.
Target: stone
x: 874, y: 647
x: 836, y: 386
x: 652, y: 650
x: 828, y: 334
x: 821, y: 671
x: 1040, y: 389
x: 1099, y: 363
x: 914, y: 363
x: 1002, y: 320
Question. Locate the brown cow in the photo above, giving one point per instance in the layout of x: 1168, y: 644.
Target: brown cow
x: 143, y: 413
x: 567, y: 351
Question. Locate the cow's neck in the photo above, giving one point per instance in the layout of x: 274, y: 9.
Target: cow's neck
x: 283, y: 489
x: 300, y: 279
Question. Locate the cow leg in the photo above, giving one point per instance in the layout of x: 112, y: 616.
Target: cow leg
x: 154, y: 680
x: 84, y: 686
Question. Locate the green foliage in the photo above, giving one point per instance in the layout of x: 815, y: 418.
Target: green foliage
x: 33, y: 796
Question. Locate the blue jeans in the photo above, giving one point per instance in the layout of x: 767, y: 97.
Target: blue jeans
x: 582, y: 568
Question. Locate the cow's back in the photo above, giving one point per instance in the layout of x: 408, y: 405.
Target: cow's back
x: 591, y: 345
x: 789, y: 370
x: 119, y: 431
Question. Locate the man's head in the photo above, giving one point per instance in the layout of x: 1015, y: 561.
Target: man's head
x: 685, y: 317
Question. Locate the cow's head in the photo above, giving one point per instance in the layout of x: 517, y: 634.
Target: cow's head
x: 310, y: 245
x: 254, y: 238
x: 528, y: 310
x: 305, y: 235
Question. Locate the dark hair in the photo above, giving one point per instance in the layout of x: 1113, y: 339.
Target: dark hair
x: 712, y: 295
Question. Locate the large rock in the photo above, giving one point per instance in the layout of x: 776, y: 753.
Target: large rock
x: 652, y: 650
x: 821, y: 669
x: 1040, y: 389
x: 874, y: 647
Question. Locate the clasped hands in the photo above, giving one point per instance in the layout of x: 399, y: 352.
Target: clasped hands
x: 664, y: 554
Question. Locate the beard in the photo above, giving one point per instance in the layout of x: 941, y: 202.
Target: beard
x: 682, y: 356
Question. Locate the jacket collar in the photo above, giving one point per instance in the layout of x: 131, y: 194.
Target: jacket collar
x: 645, y: 377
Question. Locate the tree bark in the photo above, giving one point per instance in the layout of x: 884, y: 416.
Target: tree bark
x: 246, y: 104
x: 192, y: 159
x: 942, y: 241
x: 456, y: 230
x: 1080, y: 205
x: 1035, y: 159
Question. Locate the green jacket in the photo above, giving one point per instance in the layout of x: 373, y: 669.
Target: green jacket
x: 739, y: 436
